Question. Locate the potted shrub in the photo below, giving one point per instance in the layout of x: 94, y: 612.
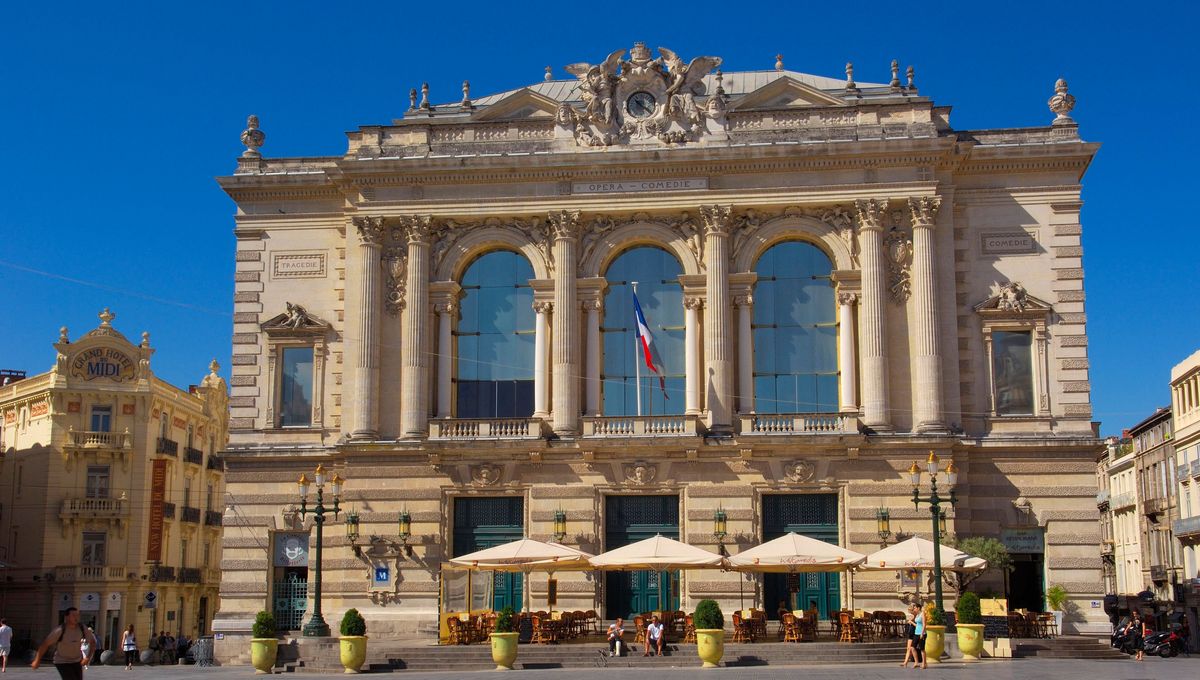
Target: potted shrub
x: 353, y: 641
x: 710, y: 632
x: 935, y: 633
x: 1056, y: 597
x: 263, y: 643
x: 504, y: 640
x: 970, y: 626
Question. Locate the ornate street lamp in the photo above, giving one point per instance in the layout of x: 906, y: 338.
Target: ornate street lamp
x: 560, y: 525
x: 883, y: 525
x: 719, y: 529
x: 932, y: 466
x: 352, y: 532
x: 404, y: 530
x: 316, y: 626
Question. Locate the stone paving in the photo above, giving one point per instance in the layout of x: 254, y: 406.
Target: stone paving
x: 1021, y: 669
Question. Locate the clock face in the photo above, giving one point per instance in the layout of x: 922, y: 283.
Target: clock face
x: 641, y: 105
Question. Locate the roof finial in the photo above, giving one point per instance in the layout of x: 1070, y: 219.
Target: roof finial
x: 908, y: 73
x: 466, y: 102
x: 778, y: 62
x: 720, y: 91
x: 549, y: 74
x: 253, y: 138
x: 1061, y: 103
x: 425, y: 96
x: 106, y: 318
x: 62, y: 335
x: 214, y: 367
x: 895, y: 84
x: 145, y: 338
x: 851, y: 86
x: 412, y: 99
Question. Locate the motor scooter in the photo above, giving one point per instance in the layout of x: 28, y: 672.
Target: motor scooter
x: 1166, y: 644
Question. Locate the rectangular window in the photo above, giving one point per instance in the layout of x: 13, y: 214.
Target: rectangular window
x: 101, y: 419
x: 207, y: 553
x: 187, y: 492
x: 208, y: 498
x: 93, y: 548
x: 183, y: 546
x: 97, y: 481
x: 296, y: 387
x: 1012, y: 372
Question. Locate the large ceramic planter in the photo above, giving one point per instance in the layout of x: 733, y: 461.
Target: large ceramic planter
x: 353, y: 652
x: 970, y: 640
x: 1058, y: 622
x: 262, y: 654
x: 504, y: 650
x: 935, y: 643
x: 710, y: 645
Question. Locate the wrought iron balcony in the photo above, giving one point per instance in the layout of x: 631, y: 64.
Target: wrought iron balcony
x: 1181, y: 473
x: 189, y: 575
x: 1156, y: 506
x: 1107, y: 548
x: 94, y: 508
x: 169, y: 510
x: 215, y: 463
x: 1188, y: 526
x: 486, y: 428
x: 1158, y: 573
x: 89, y: 572
x: 212, y: 518
x: 1102, y: 499
x: 162, y: 573
x: 167, y: 447
x: 193, y: 456
x: 798, y: 423
x: 642, y: 426
x: 1121, y: 501
x: 93, y: 439
x: 189, y: 514
x: 1196, y: 468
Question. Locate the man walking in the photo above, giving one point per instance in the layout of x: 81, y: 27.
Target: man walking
x: 67, y: 641
x: 5, y: 645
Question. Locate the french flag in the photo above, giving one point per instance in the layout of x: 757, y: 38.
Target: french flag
x: 653, y: 361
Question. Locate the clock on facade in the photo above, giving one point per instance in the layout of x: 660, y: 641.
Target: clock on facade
x: 641, y: 105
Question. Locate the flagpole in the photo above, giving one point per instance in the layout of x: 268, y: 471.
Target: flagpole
x: 637, y: 357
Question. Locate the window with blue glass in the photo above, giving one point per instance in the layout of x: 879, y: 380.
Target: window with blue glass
x: 494, y: 347
x: 101, y: 419
x: 296, y: 387
x: 657, y: 275
x: 795, y: 331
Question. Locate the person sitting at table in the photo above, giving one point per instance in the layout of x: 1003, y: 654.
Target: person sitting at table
x: 813, y: 612
x: 615, y: 631
x: 654, y: 637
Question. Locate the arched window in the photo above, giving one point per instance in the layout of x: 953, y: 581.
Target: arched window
x: 795, y: 331
x: 657, y: 274
x: 494, y: 348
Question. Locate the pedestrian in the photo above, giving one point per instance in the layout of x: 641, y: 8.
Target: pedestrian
x: 169, y: 649
x: 1185, y: 633
x: 85, y: 650
x: 909, y: 630
x: 129, y: 646
x: 615, y: 631
x: 1137, y: 629
x: 5, y: 645
x: 67, y: 641
x: 654, y: 637
x: 919, y: 637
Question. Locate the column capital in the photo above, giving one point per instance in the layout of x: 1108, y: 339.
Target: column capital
x: 924, y: 210
x: 564, y: 224
x: 543, y: 306
x: 847, y: 298
x: 417, y: 229
x: 693, y: 302
x: 871, y: 214
x: 370, y: 229
x: 445, y: 308
x: 593, y: 304
x: 744, y: 300
x: 717, y: 219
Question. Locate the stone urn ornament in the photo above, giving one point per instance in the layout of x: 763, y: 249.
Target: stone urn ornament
x: 253, y: 138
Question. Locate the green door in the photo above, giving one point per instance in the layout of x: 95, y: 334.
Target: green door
x: 486, y: 522
x: 813, y: 515
x: 629, y: 519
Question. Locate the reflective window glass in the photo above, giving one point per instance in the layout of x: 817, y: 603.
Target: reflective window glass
x: 101, y: 418
x: 296, y: 387
x: 1012, y: 372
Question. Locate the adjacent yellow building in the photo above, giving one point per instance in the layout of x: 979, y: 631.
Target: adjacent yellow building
x: 111, y: 493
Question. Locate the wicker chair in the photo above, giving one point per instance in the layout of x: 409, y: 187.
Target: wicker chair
x: 457, y: 632
x: 741, y: 629
x: 846, y: 630
x: 689, y: 630
x: 791, y: 630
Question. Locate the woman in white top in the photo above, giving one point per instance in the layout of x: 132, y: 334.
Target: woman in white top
x: 129, y: 646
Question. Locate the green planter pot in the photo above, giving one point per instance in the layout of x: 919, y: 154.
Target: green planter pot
x: 935, y: 643
x: 504, y: 650
x: 353, y: 652
x: 710, y: 645
x: 262, y: 654
x: 970, y: 640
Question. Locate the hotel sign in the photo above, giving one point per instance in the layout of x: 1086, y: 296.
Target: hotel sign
x: 103, y: 362
x: 158, y: 494
x: 641, y: 186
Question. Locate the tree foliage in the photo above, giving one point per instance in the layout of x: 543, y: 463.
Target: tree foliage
x: 989, y: 549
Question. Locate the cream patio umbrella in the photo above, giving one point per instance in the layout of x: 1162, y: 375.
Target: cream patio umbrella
x: 793, y: 553
x: 657, y: 553
x: 525, y: 556
x: 917, y: 553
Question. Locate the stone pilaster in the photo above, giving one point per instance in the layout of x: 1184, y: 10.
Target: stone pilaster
x: 870, y: 215
x: 595, y: 311
x: 719, y: 394
x: 414, y: 377
x: 745, y: 307
x: 691, y: 354
x: 541, y: 382
x: 848, y: 369
x: 926, y: 355
x: 565, y: 338
x: 370, y: 232
x: 444, y: 296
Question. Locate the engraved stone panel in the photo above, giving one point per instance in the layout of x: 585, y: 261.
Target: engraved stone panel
x: 298, y: 265
x: 1008, y: 242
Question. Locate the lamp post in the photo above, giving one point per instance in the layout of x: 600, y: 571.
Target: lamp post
x: 404, y: 530
x: 316, y: 626
x: 560, y: 525
x: 719, y: 529
x: 352, y: 533
x: 934, y: 501
x: 883, y: 525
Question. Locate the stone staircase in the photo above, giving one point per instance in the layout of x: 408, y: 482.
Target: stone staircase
x: 1065, y: 647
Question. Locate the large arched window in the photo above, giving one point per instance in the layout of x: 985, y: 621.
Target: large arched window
x: 657, y: 274
x: 494, y: 348
x: 795, y: 331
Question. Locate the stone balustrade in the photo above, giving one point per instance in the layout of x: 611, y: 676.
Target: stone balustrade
x: 799, y: 423
x: 641, y: 426
x: 485, y: 428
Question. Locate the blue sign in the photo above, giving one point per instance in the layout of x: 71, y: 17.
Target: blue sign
x: 382, y: 575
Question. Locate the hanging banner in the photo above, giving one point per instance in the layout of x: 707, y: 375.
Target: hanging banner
x: 158, y: 493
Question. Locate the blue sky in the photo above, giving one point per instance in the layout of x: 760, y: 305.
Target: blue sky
x: 115, y: 118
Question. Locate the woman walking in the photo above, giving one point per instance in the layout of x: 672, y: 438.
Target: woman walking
x: 1138, y: 629
x: 919, y: 637
x: 129, y: 646
x: 909, y: 629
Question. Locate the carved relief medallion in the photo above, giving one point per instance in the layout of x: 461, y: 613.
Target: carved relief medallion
x: 485, y: 474
x: 641, y: 472
x: 799, y: 471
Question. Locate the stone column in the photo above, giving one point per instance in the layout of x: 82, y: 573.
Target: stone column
x: 541, y: 386
x: 870, y: 215
x: 927, y: 356
x: 565, y: 338
x: 445, y: 357
x: 717, y: 221
x: 366, y: 360
x: 848, y: 370
x: 691, y: 354
x: 745, y: 305
x: 595, y: 310
x: 414, y: 348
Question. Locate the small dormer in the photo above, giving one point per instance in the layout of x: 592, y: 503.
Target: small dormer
x: 785, y: 92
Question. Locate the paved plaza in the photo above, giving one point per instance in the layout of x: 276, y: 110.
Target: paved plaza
x: 1022, y: 669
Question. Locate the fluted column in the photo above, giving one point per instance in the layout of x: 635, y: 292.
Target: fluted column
x: 541, y: 386
x: 445, y: 357
x: 414, y: 336
x: 870, y: 215
x: 595, y: 309
x: 745, y: 305
x: 691, y: 354
x: 366, y: 360
x: 717, y: 221
x: 848, y: 370
x: 926, y: 355
x: 565, y: 338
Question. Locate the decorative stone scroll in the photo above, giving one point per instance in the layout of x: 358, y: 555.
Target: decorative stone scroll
x: 395, y: 269
x: 899, y: 248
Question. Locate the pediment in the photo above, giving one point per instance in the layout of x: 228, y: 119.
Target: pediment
x: 1012, y: 300
x: 520, y: 105
x: 785, y: 92
x: 296, y: 321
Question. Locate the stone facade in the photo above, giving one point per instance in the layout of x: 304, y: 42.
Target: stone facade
x: 945, y: 245
x: 1185, y: 409
x: 112, y: 491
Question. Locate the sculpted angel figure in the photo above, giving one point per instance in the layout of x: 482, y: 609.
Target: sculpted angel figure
x: 296, y: 316
x: 597, y: 86
x: 685, y: 79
